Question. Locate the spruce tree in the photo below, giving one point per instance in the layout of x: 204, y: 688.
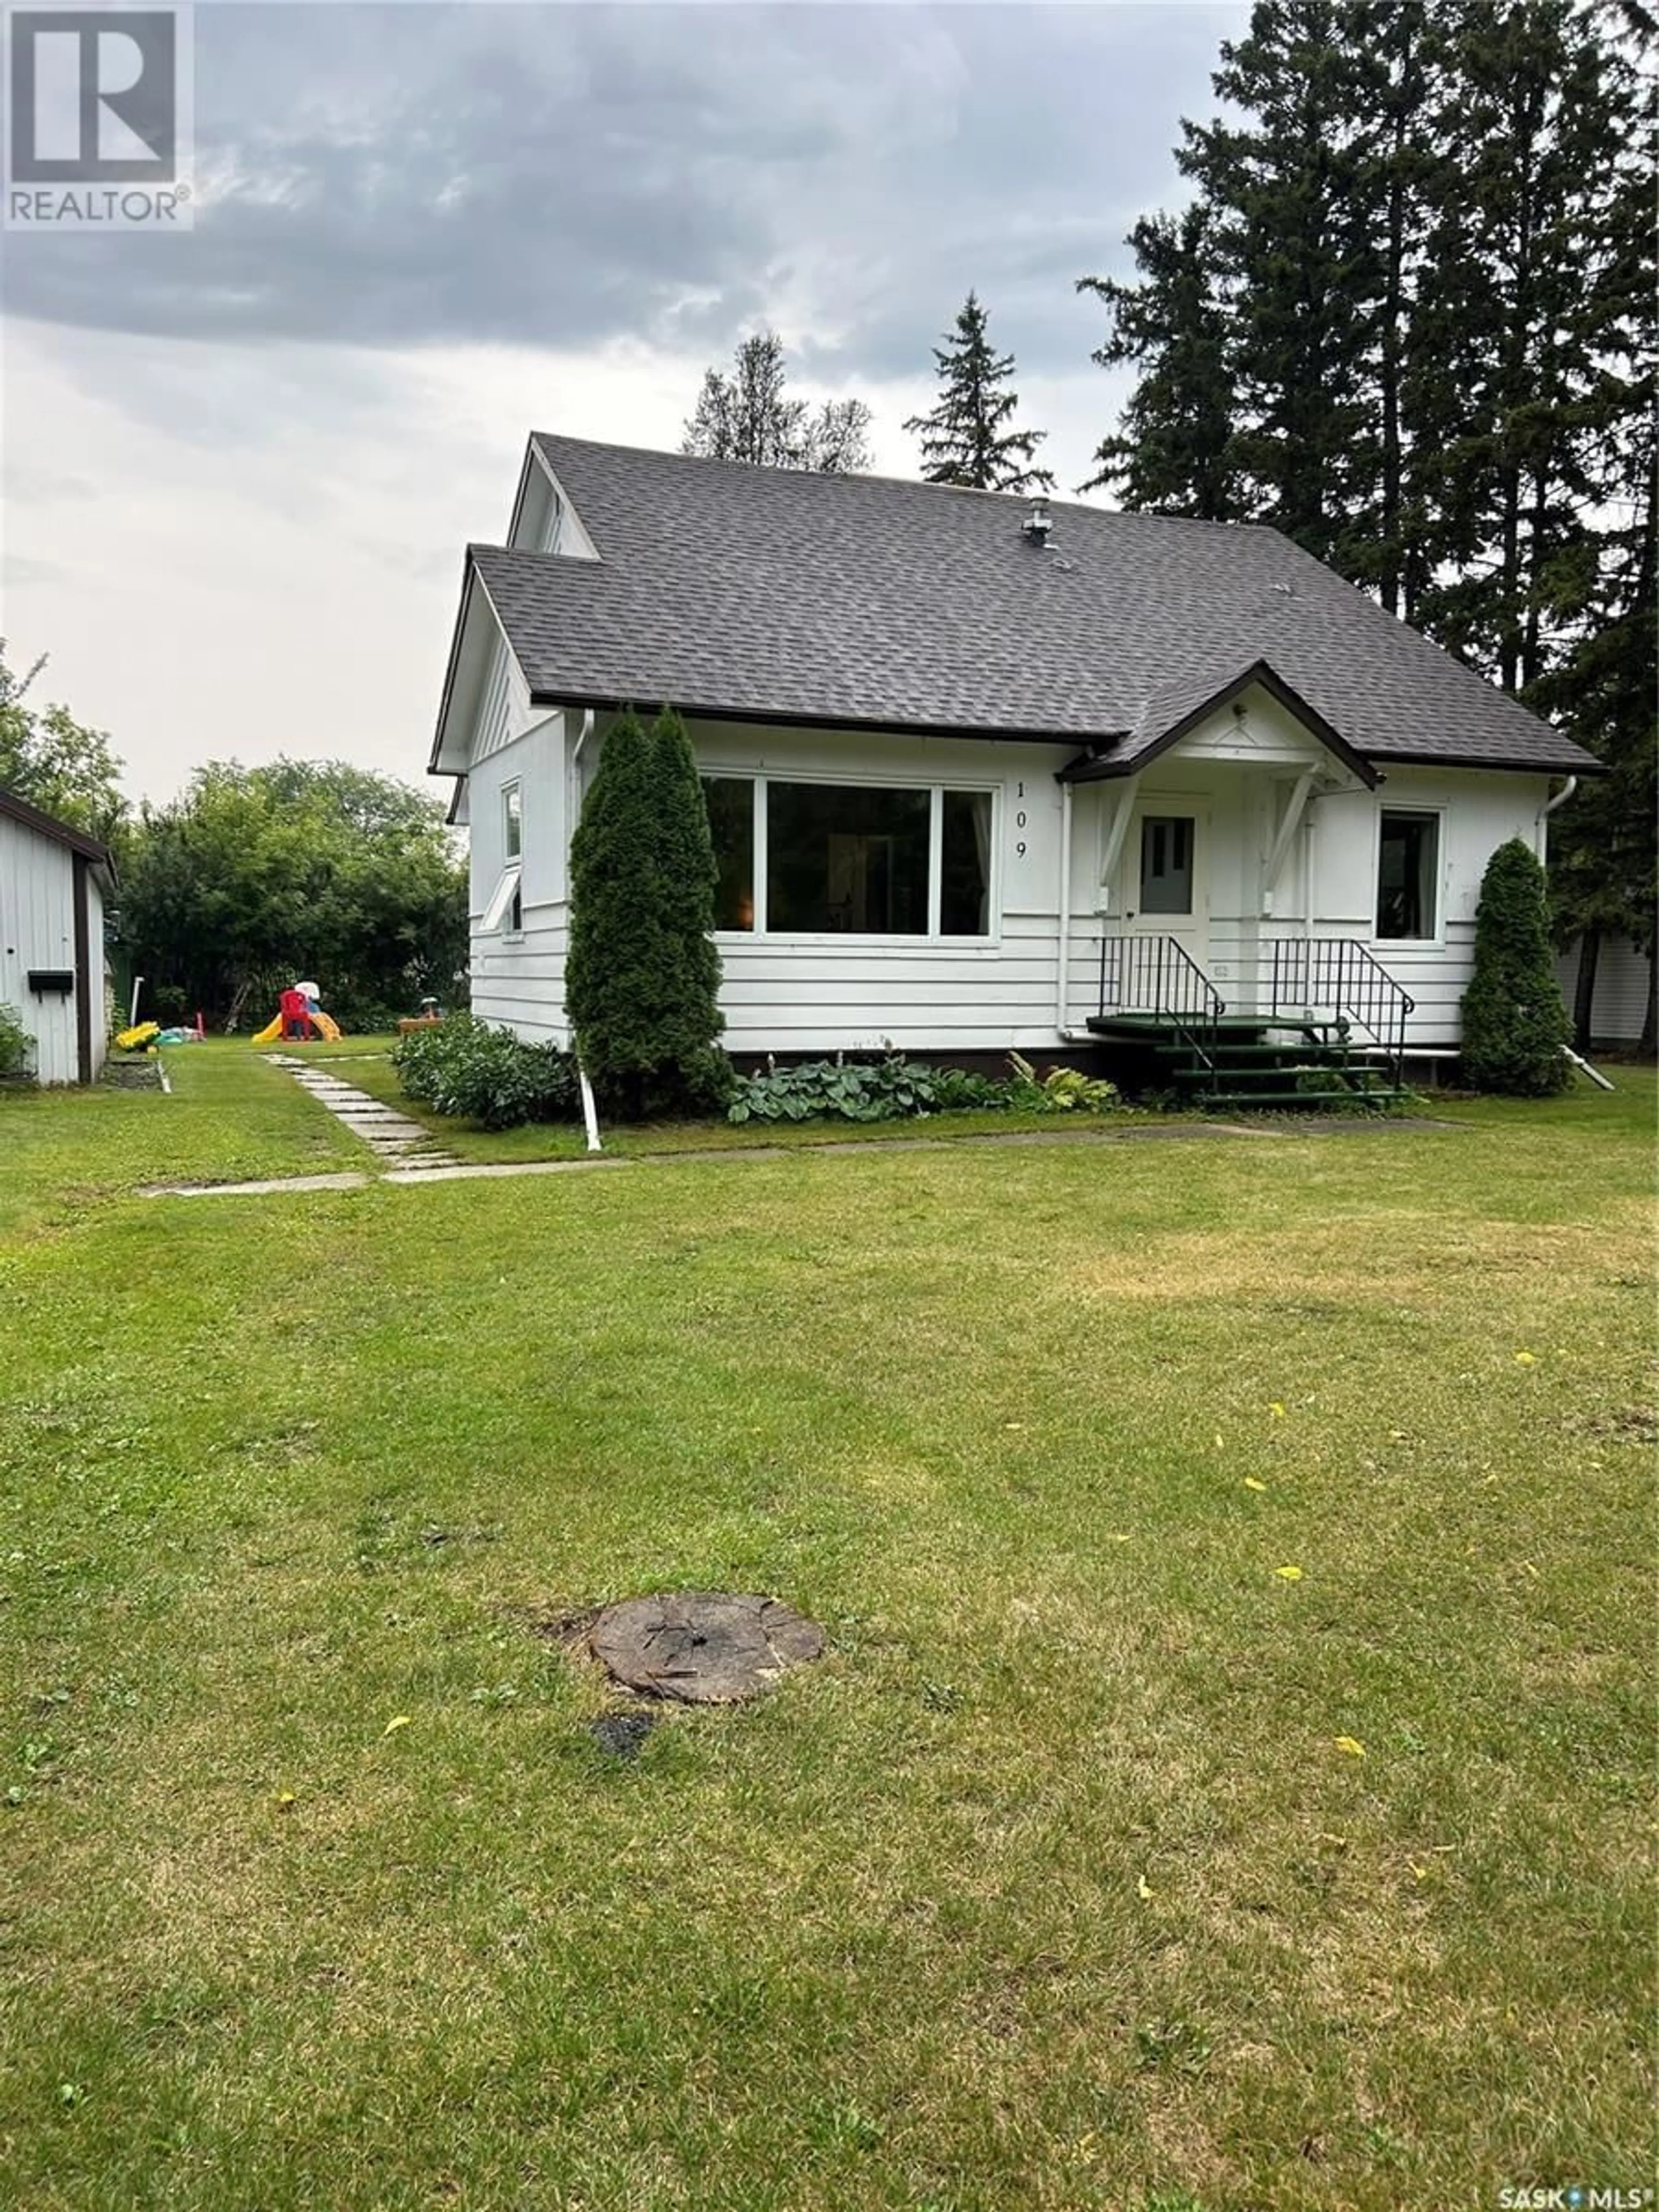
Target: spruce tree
x: 1514, y: 1022
x: 1293, y: 238
x: 971, y: 437
x: 1172, y: 453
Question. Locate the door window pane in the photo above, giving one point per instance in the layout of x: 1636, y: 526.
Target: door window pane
x: 840, y: 858
x: 731, y: 802
x: 1166, y: 864
x: 964, y: 898
x: 1407, y: 872
x: 512, y: 821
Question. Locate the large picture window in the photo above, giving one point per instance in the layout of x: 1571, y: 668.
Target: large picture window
x: 842, y: 857
x: 1407, y: 874
x: 845, y: 859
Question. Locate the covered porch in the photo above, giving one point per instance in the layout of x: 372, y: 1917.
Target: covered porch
x: 1213, y: 974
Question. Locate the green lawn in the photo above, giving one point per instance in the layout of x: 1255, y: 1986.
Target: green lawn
x: 364, y: 1061
x: 1050, y: 1887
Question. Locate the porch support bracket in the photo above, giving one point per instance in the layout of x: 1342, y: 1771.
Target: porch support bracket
x: 1116, y: 830
x: 1295, y: 807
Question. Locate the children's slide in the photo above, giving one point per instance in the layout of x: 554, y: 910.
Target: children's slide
x: 324, y: 1024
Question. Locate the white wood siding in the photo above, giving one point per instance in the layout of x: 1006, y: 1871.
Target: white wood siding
x: 1621, y: 1005
x: 825, y: 993
x: 37, y: 930
x: 519, y: 980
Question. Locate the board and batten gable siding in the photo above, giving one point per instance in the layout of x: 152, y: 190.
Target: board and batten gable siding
x: 37, y: 930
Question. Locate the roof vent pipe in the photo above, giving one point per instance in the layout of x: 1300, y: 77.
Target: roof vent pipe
x: 1037, y: 525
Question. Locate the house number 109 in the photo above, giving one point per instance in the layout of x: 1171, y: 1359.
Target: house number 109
x: 1019, y: 822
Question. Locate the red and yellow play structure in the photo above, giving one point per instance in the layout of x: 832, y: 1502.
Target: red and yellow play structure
x: 299, y: 1018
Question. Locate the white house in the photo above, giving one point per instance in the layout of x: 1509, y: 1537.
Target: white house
x: 983, y: 772
x: 53, y: 880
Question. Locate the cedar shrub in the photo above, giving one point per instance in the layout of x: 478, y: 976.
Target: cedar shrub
x: 642, y: 974
x: 1514, y: 1022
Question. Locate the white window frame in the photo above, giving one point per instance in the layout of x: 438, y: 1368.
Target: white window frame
x: 513, y: 788
x: 760, y: 778
x: 499, y: 918
x: 1438, y: 935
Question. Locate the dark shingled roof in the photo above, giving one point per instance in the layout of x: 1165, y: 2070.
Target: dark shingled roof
x: 768, y: 594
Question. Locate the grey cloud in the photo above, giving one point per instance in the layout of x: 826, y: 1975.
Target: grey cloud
x: 564, y: 176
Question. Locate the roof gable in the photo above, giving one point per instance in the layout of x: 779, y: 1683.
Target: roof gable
x: 1179, y: 709
x: 60, y: 832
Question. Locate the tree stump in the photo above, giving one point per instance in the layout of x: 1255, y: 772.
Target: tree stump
x: 702, y: 1647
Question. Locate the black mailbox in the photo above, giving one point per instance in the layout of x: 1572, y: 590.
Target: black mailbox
x: 43, y: 981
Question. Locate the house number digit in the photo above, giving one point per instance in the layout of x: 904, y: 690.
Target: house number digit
x: 1020, y: 848
x: 1019, y: 821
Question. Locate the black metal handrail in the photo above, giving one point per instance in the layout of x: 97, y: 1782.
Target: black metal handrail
x: 1157, y: 976
x: 1310, y: 972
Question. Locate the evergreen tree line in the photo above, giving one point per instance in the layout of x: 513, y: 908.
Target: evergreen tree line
x: 1408, y: 317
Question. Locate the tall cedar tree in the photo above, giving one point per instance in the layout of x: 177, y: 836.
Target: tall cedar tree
x: 970, y: 438
x: 1514, y: 1023
x: 685, y: 856
x: 751, y: 416
x: 642, y: 973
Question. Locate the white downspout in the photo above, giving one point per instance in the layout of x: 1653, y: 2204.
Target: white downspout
x: 590, y: 1112
x: 1062, y: 977
x: 1542, y: 838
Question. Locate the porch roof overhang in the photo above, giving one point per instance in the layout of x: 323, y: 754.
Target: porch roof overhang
x: 1168, y: 720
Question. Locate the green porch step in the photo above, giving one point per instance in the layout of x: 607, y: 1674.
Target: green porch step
x: 1344, y: 1097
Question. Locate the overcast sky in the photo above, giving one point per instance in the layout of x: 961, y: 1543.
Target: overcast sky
x: 239, y: 465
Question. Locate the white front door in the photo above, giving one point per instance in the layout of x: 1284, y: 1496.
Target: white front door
x: 1166, y: 888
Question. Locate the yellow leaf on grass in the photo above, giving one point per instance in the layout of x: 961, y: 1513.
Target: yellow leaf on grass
x: 284, y: 1799
x: 1352, y: 1745
x: 1277, y: 1410
x: 400, y: 1721
x: 1526, y: 1359
x: 1143, y: 1888
x: 1218, y: 1443
x: 1288, y: 1574
x: 1421, y: 1872
x: 1251, y: 1483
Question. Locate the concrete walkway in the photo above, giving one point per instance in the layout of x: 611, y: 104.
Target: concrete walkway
x: 392, y: 1137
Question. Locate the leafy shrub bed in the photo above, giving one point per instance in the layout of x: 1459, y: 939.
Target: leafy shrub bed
x: 16, y: 1046
x: 893, y: 1089
x: 482, y: 1073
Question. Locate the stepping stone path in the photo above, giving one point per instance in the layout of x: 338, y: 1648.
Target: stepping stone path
x: 394, y: 1140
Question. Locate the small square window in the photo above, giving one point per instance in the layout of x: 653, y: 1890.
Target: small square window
x: 1407, y: 874
x: 512, y: 822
